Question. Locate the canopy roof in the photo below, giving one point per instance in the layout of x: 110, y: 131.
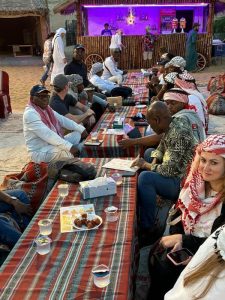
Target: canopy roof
x: 20, y: 8
x: 69, y: 6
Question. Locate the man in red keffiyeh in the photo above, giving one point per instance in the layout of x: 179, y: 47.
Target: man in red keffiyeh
x: 186, y: 82
x: 42, y: 130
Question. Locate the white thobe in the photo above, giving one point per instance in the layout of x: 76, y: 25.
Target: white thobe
x: 43, y: 144
x: 58, y: 57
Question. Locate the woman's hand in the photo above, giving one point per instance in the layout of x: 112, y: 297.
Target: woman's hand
x: 172, y: 241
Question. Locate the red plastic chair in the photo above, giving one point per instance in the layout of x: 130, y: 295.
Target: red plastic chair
x: 5, y: 105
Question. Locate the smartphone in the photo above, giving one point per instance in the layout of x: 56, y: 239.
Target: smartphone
x: 134, y: 133
x: 128, y: 174
x: 180, y: 256
x: 141, y: 124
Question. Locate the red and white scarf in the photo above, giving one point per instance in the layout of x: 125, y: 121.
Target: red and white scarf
x: 186, y: 82
x: 48, y: 118
x: 192, y: 201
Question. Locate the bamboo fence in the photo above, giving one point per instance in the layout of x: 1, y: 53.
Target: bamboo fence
x: 132, y: 55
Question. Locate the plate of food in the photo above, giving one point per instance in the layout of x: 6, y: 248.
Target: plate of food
x: 87, y: 222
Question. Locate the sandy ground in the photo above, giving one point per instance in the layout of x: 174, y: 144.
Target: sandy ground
x: 13, y: 154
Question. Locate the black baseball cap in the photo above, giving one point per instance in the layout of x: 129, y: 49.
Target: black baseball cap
x: 37, y: 89
x: 79, y: 46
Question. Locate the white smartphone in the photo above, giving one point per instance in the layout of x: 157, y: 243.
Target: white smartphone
x: 180, y: 256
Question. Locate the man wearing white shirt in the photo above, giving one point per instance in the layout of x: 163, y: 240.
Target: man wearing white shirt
x: 116, y: 41
x: 108, y: 87
x: 110, y: 69
x: 43, y: 130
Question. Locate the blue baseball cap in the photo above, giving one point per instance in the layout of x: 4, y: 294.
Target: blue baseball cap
x: 37, y: 89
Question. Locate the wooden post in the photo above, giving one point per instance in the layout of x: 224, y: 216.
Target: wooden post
x: 211, y: 17
x: 79, y: 18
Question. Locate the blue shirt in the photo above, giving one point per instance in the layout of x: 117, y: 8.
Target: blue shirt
x: 106, y: 32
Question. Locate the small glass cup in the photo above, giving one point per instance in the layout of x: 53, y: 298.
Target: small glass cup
x: 101, y: 276
x: 104, y: 126
x: 45, y: 226
x: 63, y: 189
x: 94, y: 136
x: 43, y: 245
x: 111, y: 213
x: 117, y: 177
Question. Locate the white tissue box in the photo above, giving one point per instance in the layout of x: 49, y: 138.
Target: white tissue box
x: 101, y: 186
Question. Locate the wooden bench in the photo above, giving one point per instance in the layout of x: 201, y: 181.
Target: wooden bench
x: 18, y: 50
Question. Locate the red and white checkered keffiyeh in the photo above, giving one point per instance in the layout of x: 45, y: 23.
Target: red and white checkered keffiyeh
x: 48, y: 118
x: 186, y: 82
x: 190, y: 199
x: 176, y: 94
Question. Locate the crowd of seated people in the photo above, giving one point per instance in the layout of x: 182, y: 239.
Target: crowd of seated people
x: 179, y: 164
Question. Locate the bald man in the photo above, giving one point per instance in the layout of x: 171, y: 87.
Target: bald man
x: 167, y: 167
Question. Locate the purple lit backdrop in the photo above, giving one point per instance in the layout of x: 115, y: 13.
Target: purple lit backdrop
x: 116, y: 17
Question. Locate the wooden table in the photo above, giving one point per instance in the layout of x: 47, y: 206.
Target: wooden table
x: 65, y: 273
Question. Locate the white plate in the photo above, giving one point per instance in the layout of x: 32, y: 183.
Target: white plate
x: 90, y: 217
x: 141, y: 105
x: 91, y: 143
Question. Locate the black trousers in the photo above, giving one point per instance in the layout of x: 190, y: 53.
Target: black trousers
x: 123, y: 91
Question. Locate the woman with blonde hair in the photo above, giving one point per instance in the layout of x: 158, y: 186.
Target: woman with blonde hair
x: 199, y: 211
x: 204, y: 276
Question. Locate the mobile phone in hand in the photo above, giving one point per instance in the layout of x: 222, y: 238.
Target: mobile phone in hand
x: 128, y: 174
x: 180, y: 256
x: 134, y: 133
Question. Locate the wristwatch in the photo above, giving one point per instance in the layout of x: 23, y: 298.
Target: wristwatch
x: 13, y: 197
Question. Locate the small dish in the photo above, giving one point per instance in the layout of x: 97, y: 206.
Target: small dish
x: 93, y: 143
x: 141, y: 106
x: 89, y: 218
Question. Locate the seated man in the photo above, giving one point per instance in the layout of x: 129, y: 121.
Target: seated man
x: 15, y: 215
x: 165, y: 57
x: 42, y: 128
x: 77, y: 66
x: 169, y: 163
x: 186, y: 82
x: 108, y: 87
x: 177, y: 102
x: 111, y: 72
x: 61, y: 101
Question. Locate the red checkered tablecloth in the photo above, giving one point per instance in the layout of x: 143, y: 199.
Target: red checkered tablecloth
x: 110, y: 146
x: 65, y: 273
x: 137, y: 82
x: 135, y: 78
